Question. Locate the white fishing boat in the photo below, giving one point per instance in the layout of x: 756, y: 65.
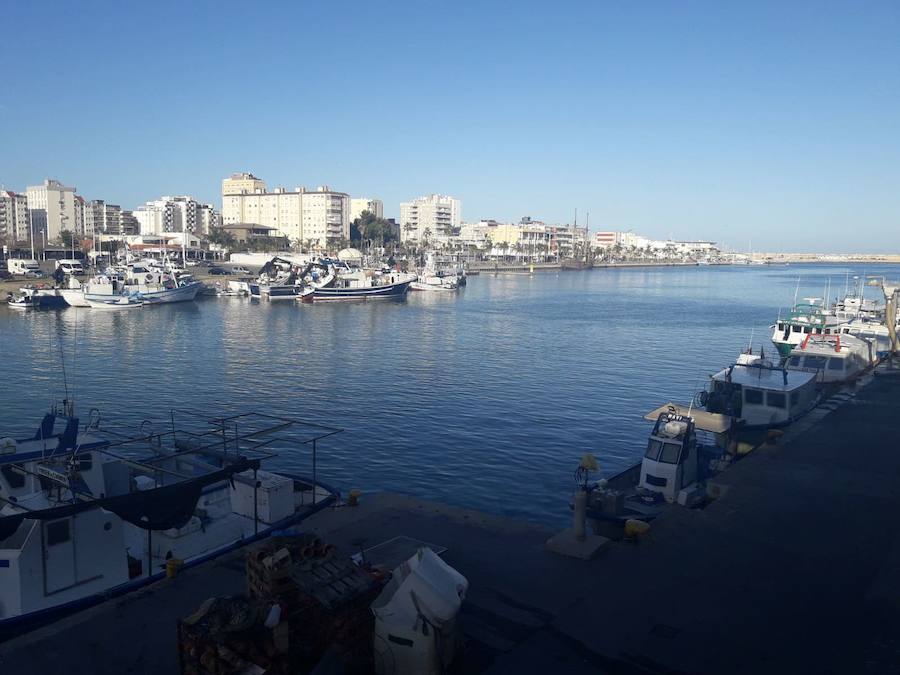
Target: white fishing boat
x: 833, y: 359
x: 101, y: 287
x: 760, y: 394
x: 89, y: 514
x: 433, y: 283
x: 116, y: 302
x: 23, y: 302
x: 431, y: 278
x: 158, y: 285
x: 810, y: 317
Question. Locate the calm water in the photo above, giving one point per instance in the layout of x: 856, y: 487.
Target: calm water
x: 486, y: 399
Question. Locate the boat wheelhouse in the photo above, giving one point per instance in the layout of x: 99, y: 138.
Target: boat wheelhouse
x: 807, y: 318
x: 89, y: 513
x: 833, y: 359
x: 760, y: 394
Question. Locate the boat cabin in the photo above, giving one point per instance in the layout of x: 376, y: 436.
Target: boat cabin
x: 833, y: 358
x: 674, y: 460
x: 760, y: 394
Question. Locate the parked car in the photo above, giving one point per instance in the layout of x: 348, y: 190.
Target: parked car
x: 217, y: 271
x: 240, y: 270
x: 33, y: 274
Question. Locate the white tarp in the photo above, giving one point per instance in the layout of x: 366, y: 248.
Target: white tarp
x: 423, y: 585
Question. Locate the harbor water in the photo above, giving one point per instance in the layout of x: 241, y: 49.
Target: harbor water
x: 486, y: 398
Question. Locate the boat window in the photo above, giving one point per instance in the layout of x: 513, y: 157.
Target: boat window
x: 817, y: 362
x: 780, y: 326
x: 827, y: 331
x: 57, y: 532
x: 835, y: 364
x: 653, y: 449
x: 806, y: 329
x: 795, y: 361
x: 818, y: 331
x: 775, y: 399
x: 795, y: 398
x: 753, y: 396
x: 796, y: 329
x: 669, y: 453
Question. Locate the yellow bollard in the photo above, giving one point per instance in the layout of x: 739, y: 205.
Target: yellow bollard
x: 173, y: 567
x: 635, y: 529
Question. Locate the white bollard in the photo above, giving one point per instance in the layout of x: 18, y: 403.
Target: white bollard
x: 580, y: 514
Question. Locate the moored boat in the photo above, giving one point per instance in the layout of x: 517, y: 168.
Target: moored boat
x: 833, y: 359
x: 116, y: 302
x: 81, y: 523
x: 807, y: 318
x: 357, y: 284
x: 23, y: 302
x: 759, y: 394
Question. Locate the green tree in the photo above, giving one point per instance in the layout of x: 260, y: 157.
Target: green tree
x: 67, y: 237
x: 221, y: 237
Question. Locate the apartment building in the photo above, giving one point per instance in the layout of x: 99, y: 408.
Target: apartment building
x: 13, y: 216
x: 433, y: 217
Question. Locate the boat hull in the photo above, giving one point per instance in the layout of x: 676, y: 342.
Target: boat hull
x: 74, y: 297
x: 185, y: 293
x: 423, y: 287
x: 395, y: 291
x: 24, y: 623
x: 114, y: 304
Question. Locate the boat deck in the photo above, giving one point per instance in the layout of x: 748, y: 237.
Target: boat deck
x: 794, y: 569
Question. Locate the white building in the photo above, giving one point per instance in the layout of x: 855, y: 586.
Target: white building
x: 13, y: 217
x: 176, y: 214
x: 53, y: 207
x: 304, y: 216
x: 434, y: 217
x: 360, y: 204
x: 102, y: 218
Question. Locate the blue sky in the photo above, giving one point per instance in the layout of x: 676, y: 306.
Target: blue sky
x: 772, y: 122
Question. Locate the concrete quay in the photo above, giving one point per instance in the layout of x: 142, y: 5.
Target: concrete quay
x: 794, y: 569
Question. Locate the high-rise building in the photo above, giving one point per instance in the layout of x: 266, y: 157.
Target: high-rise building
x: 54, y: 207
x: 208, y: 218
x: 102, y: 218
x: 373, y: 206
x: 434, y: 217
x: 129, y: 225
x: 242, y: 183
x: 303, y: 216
x: 176, y: 214
x: 13, y: 217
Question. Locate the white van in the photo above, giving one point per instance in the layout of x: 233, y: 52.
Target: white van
x: 71, y: 267
x: 23, y: 266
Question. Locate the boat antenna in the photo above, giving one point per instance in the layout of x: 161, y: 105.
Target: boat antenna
x: 62, y: 361
x: 797, y: 290
x: 750, y: 346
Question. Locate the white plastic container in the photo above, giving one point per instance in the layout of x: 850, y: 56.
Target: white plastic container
x: 274, y: 498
